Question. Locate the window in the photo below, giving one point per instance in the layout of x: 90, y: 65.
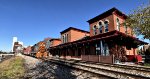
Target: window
x: 106, y: 26
x: 63, y: 39
x: 97, y: 48
x: 118, y: 24
x: 67, y: 38
x: 100, y: 27
x: 104, y: 48
x: 126, y: 29
x: 94, y: 30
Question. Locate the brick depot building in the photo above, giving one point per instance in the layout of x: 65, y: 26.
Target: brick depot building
x: 108, y: 41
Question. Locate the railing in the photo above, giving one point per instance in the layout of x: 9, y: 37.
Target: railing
x: 98, y: 58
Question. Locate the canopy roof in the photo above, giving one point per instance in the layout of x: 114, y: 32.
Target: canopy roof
x: 116, y: 36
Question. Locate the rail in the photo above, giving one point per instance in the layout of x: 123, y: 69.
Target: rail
x: 111, y: 70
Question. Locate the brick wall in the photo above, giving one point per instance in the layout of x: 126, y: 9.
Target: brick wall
x: 122, y: 28
x: 111, y: 26
x: 55, y: 42
x: 69, y: 36
x: 112, y: 19
x: 74, y: 35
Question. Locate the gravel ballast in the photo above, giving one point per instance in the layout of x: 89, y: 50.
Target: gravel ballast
x: 38, y: 69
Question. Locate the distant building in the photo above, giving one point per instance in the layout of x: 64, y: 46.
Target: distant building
x: 27, y: 50
x: 14, y: 40
x: 17, y: 46
x: 20, y: 42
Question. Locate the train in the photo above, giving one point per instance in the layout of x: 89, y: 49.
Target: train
x: 38, y: 50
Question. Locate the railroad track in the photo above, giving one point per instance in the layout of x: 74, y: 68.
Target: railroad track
x: 139, y: 68
x: 78, y: 67
x: 112, y: 71
x: 107, y: 70
x: 127, y: 67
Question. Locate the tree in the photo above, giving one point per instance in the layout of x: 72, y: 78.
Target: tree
x: 139, y: 21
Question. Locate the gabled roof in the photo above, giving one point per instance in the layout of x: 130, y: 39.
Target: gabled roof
x: 107, y: 13
x: 73, y: 28
x: 55, y: 39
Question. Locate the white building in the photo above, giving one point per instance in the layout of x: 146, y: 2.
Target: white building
x: 14, y: 40
x: 20, y: 43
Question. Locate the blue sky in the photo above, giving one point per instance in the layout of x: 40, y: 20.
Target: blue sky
x: 33, y: 20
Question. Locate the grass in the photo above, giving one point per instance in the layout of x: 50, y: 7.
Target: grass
x: 147, y: 64
x: 12, y: 68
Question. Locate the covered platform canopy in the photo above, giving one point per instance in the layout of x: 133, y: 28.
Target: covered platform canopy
x: 115, y: 36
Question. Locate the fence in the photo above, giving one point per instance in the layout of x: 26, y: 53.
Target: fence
x: 98, y: 58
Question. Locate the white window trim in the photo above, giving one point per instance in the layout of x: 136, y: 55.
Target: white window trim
x: 67, y: 37
x: 98, y: 24
x: 107, y: 20
x: 94, y: 29
x: 118, y: 24
x: 63, y: 38
x: 105, y: 26
x: 100, y: 27
x: 126, y: 29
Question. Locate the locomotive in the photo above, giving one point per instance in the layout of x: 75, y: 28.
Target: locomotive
x: 42, y: 52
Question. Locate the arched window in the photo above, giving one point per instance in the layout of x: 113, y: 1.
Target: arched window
x: 63, y: 39
x: 67, y: 38
x: 100, y: 27
x: 118, y: 24
x: 94, y: 30
x: 106, y: 26
x: 126, y: 29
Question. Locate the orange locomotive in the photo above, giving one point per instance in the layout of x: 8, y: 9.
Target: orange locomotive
x: 41, y: 53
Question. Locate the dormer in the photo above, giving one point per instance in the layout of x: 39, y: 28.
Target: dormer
x: 72, y: 34
x: 108, y: 21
